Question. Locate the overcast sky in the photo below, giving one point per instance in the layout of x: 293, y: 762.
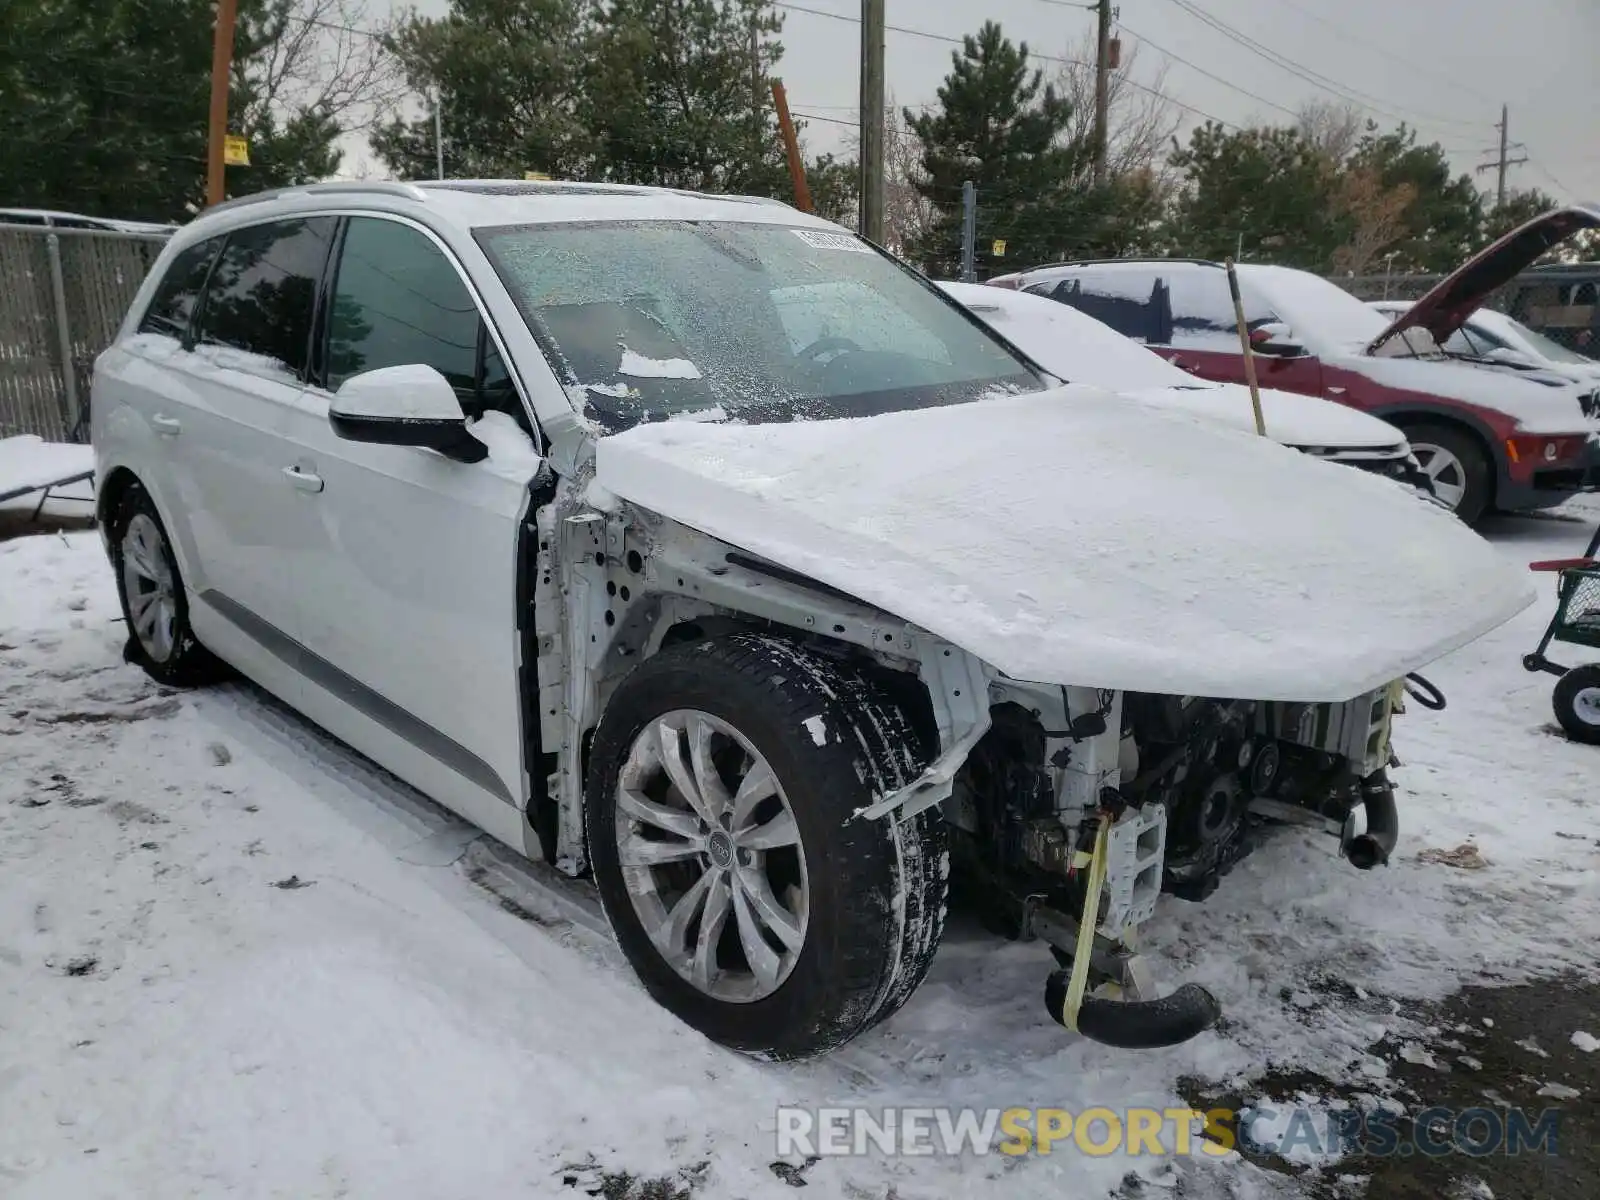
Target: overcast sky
x: 1444, y: 65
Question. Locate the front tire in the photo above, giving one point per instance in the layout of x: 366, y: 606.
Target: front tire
x: 751, y: 901
x: 1577, y: 704
x: 1457, y: 465
x: 154, y: 602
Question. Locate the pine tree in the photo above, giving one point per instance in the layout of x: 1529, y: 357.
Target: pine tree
x: 103, y: 106
x: 1001, y: 126
x: 677, y: 94
x: 1266, y: 191
x: 510, y: 75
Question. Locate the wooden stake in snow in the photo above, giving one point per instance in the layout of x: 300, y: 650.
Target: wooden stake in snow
x: 1244, y: 346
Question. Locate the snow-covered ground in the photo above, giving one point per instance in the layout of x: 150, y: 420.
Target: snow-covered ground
x: 235, y: 959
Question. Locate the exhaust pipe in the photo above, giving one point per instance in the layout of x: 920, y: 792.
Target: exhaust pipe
x: 1136, y: 1024
x: 1372, y: 848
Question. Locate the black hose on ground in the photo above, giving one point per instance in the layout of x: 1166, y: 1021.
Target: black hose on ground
x: 1136, y: 1024
x: 1372, y: 848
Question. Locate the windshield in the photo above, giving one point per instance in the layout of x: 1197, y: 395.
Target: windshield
x: 1320, y: 313
x: 748, y: 322
x: 1070, y: 344
x: 1546, y: 347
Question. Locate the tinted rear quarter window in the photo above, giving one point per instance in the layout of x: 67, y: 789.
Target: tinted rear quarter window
x: 179, y: 291
x: 1202, y: 309
x: 263, y: 290
x: 1133, y: 302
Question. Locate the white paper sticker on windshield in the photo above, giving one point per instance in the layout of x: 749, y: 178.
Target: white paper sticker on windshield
x: 823, y: 240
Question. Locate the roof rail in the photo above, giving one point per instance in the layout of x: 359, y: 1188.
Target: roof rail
x: 1101, y: 262
x: 380, y: 187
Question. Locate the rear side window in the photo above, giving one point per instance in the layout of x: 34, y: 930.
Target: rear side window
x: 263, y: 291
x: 1202, y: 309
x: 399, y: 301
x: 179, y: 291
x: 1133, y: 302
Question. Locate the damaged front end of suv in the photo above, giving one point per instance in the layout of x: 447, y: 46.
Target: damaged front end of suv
x: 1062, y: 802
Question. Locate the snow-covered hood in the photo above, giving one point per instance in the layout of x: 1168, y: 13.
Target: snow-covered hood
x: 1291, y: 419
x: 1455, y: 298
x: 1551, y: 407
x: 1068, y: 536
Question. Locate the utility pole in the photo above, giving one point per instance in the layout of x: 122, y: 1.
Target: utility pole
x: 1102, y: 88
x: 438, y: 130
x: 221, y: 68
x: 1503, y: 159
x: 757, y: 91
x: 872, y: 166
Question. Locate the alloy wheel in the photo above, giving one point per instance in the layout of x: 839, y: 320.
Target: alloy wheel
x: 711, y: 856
x: 1448, y: 473
x: 148, y: 582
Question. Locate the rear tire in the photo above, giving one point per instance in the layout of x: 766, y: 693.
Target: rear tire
x: 1577, y: 704
x: 859, y: 903
x: 155, y: 604
x: 1457, y: 464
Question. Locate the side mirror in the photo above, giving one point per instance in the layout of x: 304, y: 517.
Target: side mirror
x: 1275, y: 340
x: 411, y: 405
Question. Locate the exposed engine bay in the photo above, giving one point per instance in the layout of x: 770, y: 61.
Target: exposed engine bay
x: 1196, y: 779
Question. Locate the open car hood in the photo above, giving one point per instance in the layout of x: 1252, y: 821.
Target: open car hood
x: 1446, y: 308
x: 1071, y: 536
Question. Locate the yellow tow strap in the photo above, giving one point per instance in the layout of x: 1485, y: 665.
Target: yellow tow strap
x: 1079, y: 979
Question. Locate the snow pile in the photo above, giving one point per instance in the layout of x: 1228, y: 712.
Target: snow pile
x: 640, y: 367
x: 31, y: 464
x: 1068, y: 536
x: 1069, y: 343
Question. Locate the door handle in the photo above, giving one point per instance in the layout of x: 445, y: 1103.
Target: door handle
x: 304, y: 481
x: 170, y: 426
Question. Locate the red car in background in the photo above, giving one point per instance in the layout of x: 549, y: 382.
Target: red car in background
x: 1489, y: 436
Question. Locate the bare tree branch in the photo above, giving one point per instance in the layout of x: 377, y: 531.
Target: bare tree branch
x: 1140, y: 120
x: 1333, y: 129
x: 329, y: 56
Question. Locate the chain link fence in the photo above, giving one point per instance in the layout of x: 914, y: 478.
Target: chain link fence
x: 63, y: 293
x: 1387, y: 287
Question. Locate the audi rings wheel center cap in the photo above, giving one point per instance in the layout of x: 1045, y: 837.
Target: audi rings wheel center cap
x: 721, y: 850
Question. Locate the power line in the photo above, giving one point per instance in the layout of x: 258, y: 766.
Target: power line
x: 1545, y: 171
x: 1050, y: 58
x: 1318, y: 80
x: 1379, y: 48
x: 1209, y: 75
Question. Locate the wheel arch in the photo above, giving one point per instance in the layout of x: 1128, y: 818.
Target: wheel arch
x: 613, y: 590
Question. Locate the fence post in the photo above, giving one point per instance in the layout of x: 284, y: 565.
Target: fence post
x: 969, y: 232
x: 69, y: 373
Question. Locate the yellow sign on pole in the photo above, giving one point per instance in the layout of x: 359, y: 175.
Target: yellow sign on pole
x: 236, y: 151
x: 534, y: 175
x: 999, y: 247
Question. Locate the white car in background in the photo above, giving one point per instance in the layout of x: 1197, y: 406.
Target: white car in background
x: 1493, y: 338
x: 1080, y: 349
